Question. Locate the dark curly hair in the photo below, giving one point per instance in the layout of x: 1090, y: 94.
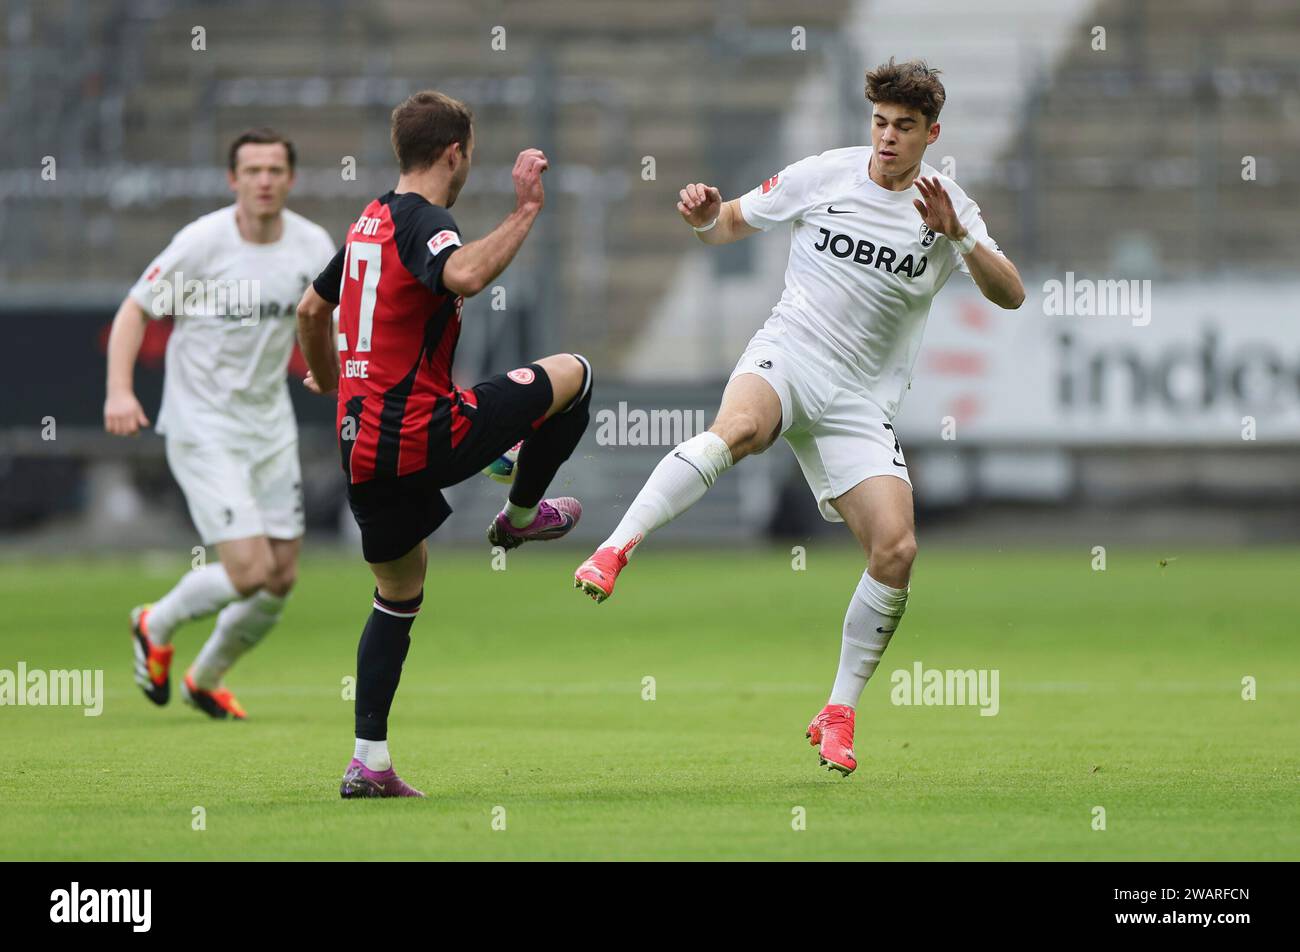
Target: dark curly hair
x: 912, y: 84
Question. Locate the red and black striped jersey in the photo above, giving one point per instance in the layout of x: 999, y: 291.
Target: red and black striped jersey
x: 398, y: 326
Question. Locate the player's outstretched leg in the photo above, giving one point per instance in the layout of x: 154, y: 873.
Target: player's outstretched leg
x: 527, y: 517
x: 198, y: 593
x: 243, y: 623
x: 748, y: 421
x: 879, y: 511
x: 380, y: 655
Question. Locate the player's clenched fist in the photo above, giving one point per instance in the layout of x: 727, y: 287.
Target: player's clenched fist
x: 123, y: 415
x: 528, y: 177
x: 315, y: 386
x: 699, y: 204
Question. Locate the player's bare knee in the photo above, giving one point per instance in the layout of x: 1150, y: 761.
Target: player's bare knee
x: 741, y: 433
x: 894, y: 557
x: 250, y: 575
x: 745, y: 435
x: 282, y: 579
x: 570, y: 379
x: 400, y: 589
x: 402, y: 579
x: 907, y: 551
x: 561, y: 371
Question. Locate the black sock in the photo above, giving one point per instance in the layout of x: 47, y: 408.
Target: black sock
x: 543, y: 453
x: 380, y: 655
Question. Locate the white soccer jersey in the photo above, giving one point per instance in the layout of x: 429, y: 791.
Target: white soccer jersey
x: 863, y: 268
x: 235, y: 305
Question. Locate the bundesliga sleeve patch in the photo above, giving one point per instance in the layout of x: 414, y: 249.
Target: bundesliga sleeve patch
x: 443, y: 239
x: 770, y: 183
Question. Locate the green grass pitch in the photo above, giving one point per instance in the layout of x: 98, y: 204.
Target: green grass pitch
x: 1119, y: 689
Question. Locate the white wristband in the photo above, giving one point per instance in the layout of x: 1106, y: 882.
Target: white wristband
x: 708, y: 226
x: 966, y: 245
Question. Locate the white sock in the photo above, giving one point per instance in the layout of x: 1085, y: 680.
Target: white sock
x: 240, y: 625
x: 373, y: 753
x: 519, y: 516
x: 677, y: 483
x: 198, y: 593
x: 874, y: 613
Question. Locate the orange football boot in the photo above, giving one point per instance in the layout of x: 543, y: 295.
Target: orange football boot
x: 597, y: 575
x: 152, y: 663
x: 217, y: 704
x: 831, y: 731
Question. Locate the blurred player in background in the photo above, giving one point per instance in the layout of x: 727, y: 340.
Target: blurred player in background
x: 406, y: 431
x: 232, y: 441
x: 875, y: 233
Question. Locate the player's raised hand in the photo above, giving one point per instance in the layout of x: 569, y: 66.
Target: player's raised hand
x: 936, y: 209
x: 527, y: 174
x: 312, y: 384
x: 699, y: 204
x: 123, y: 415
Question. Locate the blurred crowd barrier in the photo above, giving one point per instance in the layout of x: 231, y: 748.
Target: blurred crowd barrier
x: 1139, y: 160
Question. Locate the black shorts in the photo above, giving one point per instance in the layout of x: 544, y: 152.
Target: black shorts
x: 396, y: 513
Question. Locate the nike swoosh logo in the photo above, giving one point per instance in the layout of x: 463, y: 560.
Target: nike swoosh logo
x: 692, y: 466
x: 839, y: 211
x: 897, y: 463
x: 885, y: 631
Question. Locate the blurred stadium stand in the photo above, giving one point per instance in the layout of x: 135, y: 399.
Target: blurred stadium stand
x: 1119, y: 163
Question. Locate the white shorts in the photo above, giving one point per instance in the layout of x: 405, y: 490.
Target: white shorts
x: 237, y: 494
x: 839, y: 436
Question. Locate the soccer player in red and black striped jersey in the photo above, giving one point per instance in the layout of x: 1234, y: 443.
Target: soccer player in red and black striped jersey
x: 406, y: 431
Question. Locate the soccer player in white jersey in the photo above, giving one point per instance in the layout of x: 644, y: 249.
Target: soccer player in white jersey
x: 231, y: 280
x: 875, y: 233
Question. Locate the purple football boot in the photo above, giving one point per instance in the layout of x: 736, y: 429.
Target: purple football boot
x: 360, y: 781
x: 555, y: 517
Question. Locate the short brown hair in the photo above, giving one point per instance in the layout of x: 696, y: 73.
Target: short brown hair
x: 425, y: 125
x: 912, y: 84
x: 262, y: 135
